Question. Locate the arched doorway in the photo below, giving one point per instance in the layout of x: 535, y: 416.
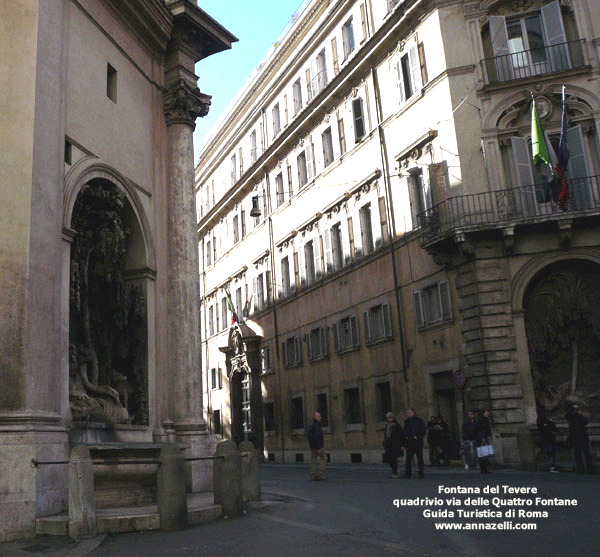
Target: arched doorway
x: 108, y: 324
x: 562, y: 320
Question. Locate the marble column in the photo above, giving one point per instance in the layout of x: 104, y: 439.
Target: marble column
x: 183, y: 103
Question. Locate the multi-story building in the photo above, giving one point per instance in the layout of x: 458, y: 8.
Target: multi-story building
x: 370, y: 205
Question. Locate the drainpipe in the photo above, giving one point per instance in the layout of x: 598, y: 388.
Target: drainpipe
x: 391, y: 228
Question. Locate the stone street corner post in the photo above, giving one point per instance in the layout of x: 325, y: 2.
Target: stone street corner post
x: 195, y: 35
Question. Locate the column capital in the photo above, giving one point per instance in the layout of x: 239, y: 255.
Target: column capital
x: 183, y: 103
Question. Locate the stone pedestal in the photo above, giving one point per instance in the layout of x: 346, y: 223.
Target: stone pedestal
x: 250, y: 477
x: 228, y: 479
x: 171, y: 497
x: 82, y: 498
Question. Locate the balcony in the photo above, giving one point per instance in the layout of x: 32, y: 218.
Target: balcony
x: 507, y: 208
x: 535, y: 62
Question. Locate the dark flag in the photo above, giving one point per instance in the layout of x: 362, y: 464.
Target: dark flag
x: 563, y: 157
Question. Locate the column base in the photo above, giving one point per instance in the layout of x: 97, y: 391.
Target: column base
x: 194, y: 436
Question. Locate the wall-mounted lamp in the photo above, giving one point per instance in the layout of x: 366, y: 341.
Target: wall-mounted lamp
x: 255, y: 211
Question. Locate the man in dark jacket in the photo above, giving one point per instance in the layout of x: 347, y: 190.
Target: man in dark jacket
x: 315, y: 442
x: 547, y: 430
x: 470, y: 436
x: 392, y: 442
x: 578, y: 438
x: 414, y: 431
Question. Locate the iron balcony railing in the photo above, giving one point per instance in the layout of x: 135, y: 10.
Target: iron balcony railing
x: 537, y: 61
x: 490, y: 209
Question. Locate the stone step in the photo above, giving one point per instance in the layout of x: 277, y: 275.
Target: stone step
x: 117, y: 520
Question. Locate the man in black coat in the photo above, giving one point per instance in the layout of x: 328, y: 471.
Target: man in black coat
x: 579, y: 438
x: 315, y: 442
x: 414, y: 431
x: 470, y: 437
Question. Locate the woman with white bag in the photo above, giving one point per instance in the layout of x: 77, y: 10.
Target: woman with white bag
x: 485, y: 449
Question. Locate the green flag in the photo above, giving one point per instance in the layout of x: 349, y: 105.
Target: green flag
x: 538, y: 143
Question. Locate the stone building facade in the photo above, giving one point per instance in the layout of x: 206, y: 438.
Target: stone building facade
x: 370, y: 212
x: 99, y: 263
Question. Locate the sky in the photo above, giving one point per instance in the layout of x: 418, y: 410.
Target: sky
x: 256, y: 25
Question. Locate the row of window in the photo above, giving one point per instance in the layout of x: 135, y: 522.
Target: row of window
x: 353, y: 414
x: 377, y: 325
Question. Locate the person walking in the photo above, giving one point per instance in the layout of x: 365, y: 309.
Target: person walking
x: 316, y: 444
x: 547, y: 430
x: 579, y: 438
x: 414, y: 431
x: 484, y: 434
x: 392, y: 442
x: 470, y: 436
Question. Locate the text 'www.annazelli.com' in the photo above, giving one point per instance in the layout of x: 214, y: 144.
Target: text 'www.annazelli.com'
x: 506, y: 525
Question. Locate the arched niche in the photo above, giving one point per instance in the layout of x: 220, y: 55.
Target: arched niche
x: 560, y: 306
x: 109, y: 262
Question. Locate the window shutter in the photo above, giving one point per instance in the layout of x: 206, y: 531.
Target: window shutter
x: 357, y: 233
x: 367, y: 321
x: 419, y: 309
x: 354, y: 329
x: 416, y: 81
x: 555, y: 36
x: 499, y: 36
x: 334, y: 52
x: 345, y: 240
x: 284, y: 354
x: 309, y: 85
x: 328, y: 251
x: 336, y: 339
x: 302, y: 266
x: 578, y: 173
x: 310, y: 160
x: 522, y: 162
x: 387, y: 321
x: 363, y: 21
x: 445, y: 302
x: 318, y: 260
x: 297, y: 350
x: 309, y: 346
x: 324, y: 341
x: 268, y: 287
x: 376, y: 224
x: 399, y: 80
x: 255, y: 294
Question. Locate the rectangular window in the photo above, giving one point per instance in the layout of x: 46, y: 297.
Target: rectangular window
x: 345, y: 334
x: 261, y: 291
x: 419, y: 193
x: 216, y: 378
x: 279, y: 193
x: 224, y: 320
x: 348, y: 38
x: 217, y: 422
x: 352, y: 406
x: 211, y: 321
x: 253, y: 149
x: 366, y: 229
x: 269, y: 414
x: 334, y: 54
x: 309, y: 262
x: 302, y: 170
x: 327, y: 147
x: 233, y: 170
x: 208, y: 253
x: 378, y: 323
x: 321, y: 77
x: 383, y: 400
x: 359, y: 119
x: 337, y: 250
x: 433, y: 304
x: 111, y: 83
x: 297, y: 413
x: 236, y: 229
x: 243, y: 221
x: 292, y: 354
x: 289, y: 179
x: 276, y: 121
x: 267, y: 363
x: 322, y: 408
x: 410, y: 72
x: 297, y: 93
x: 341, y: 134
x: 318, y: 343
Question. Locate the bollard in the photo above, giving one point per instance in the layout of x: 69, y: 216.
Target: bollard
x: 171, y: 496
x: 250, y: 479
x: 227, y: 479
x: 82, y: 498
